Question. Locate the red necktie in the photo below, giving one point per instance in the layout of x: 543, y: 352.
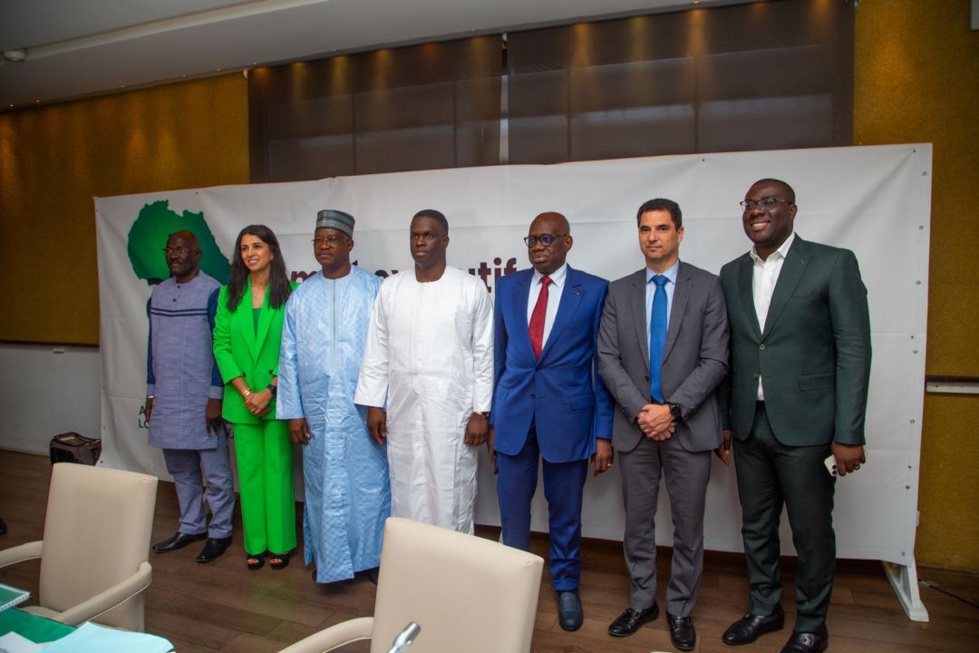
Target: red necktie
x: 537, y: 318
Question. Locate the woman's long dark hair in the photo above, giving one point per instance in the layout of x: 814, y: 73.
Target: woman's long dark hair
x: 279, y: 288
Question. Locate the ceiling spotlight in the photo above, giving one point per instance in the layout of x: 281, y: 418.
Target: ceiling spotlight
x: 15, y: 56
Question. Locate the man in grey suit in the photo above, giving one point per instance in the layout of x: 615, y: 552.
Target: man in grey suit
x: 800, y: 367
x: 669, y: 319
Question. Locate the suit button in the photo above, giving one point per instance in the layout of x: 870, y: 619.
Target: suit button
x: 756, y: 375
x: 761, y: 347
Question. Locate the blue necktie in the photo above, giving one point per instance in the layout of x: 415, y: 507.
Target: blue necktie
x: 657, y: 337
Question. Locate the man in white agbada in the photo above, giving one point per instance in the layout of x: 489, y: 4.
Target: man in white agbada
x: 323, y: 335
x: 429, y: 356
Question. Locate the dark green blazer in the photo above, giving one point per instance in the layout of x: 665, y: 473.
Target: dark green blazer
x: 814, y: 355
x: 240, y: 350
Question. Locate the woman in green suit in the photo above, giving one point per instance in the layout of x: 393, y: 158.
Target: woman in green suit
x: 247, y: 333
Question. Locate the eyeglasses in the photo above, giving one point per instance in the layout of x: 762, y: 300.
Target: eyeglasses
x: 544, y: 239
x: 767, y: 203
x: 328, y: 240
x: 179, y: 251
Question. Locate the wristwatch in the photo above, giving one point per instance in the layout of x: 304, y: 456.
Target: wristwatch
x: 480, y: 413
x: 274, y: 389
x: 674, y: 410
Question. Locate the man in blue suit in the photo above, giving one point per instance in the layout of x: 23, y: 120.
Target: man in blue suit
x: 548, y: 400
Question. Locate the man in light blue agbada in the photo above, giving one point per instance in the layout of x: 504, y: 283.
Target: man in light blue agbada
x: 348, y: 494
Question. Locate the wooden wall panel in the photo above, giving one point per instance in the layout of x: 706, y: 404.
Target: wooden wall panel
x: 916, y: 73
x: 55, y: 159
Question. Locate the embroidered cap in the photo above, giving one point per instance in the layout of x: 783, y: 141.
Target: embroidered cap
x: 333, y: 219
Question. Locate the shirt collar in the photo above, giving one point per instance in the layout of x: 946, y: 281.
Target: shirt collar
x: 557, y: 277
x: 782, y: 251
x: 670, y: 273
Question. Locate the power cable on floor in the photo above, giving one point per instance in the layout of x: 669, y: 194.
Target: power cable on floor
x: 936, y: 586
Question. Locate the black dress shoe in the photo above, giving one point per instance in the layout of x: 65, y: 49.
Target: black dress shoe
x: 178, y: 541
x: 629, y: 621
x: 3, y: 527
x: 807, y: 643
x: 569, y: 613
x: 751, y: 626
x: 682, y: 632
x: 213, y: 549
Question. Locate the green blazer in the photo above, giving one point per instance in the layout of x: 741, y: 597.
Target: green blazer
x: 814, y: 356
x: 241, y: 351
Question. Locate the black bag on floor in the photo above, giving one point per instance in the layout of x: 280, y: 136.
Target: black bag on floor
x: 74, y: 448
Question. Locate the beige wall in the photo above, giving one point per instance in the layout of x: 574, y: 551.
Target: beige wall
x: 55, y: 159
x: 916, y: 80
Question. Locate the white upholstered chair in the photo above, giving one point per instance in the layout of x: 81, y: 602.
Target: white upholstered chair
x: 96, y: 544
x: 467, y: 594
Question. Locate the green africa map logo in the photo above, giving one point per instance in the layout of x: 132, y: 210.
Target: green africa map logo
x: 148, y: 237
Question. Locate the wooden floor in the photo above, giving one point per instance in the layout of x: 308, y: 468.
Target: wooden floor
x: 223, y: 607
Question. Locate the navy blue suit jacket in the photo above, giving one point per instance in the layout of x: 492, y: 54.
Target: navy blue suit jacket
x: 561, y: 392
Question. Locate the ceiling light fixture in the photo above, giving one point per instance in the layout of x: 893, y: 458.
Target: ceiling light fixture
x: 15, y: 56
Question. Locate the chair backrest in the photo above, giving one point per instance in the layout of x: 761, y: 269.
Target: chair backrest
x: 96, y: 533
x: 467, y: 593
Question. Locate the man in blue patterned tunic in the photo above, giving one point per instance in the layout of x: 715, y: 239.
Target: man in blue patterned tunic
x: 183, y: 399
x: 348, y: 495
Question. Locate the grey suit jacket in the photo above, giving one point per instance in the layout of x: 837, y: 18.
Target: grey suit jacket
x: 695, y: 360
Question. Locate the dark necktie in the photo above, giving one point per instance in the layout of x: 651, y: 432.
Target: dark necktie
x: 657, y: 337
x: 537, y: 318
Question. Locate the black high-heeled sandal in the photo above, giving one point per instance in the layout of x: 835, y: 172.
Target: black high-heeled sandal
x: 283, y: 560
x: 256, y: 562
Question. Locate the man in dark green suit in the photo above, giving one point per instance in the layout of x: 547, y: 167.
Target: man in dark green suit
x: 800, y: 366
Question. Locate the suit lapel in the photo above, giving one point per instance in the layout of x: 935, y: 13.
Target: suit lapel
x: 746, y: 294
x: 570, y: 300
x: 246, y: 324
x: 517, y: 307
x: 681, y: 293
x: 792, y: 270
x: 246, y: 321
x: 639, y: 313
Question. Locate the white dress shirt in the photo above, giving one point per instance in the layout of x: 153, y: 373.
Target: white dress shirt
x: 554, y: 291
x: 764, y: 277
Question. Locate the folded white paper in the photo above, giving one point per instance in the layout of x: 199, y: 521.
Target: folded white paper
x: 90, y: 638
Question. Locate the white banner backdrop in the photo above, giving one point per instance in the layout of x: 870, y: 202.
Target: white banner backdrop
x: 873, y: 200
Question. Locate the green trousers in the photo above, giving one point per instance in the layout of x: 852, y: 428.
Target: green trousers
x: 268, y: 502
x: 772, y: 475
